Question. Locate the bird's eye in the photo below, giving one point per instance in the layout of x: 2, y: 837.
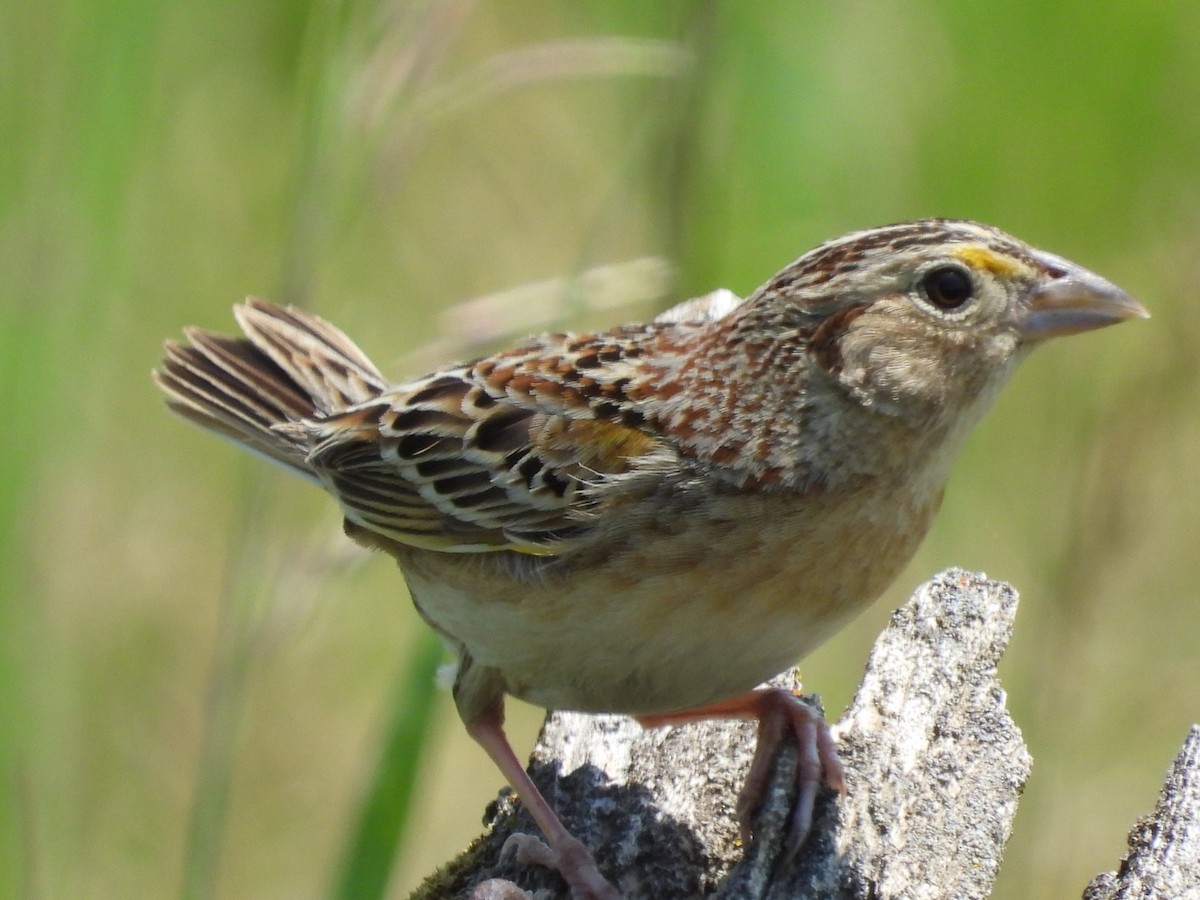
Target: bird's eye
x: 947, y: 287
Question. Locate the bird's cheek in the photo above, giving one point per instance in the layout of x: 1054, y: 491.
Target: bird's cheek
x: 896, y: 380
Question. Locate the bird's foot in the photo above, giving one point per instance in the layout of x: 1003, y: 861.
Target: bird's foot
x: 570, y: 859
x: 499, y: 889
x: 781, y: 711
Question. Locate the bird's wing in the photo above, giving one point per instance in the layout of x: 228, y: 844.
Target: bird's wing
x: 506, y: 453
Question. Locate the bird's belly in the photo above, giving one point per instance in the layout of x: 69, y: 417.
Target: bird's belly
x: 675, y: 619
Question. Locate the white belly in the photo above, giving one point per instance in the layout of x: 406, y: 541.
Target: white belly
x: 687, y: 618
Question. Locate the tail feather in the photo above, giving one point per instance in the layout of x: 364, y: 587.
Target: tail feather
x: 290, y: 367
x: 324, y: 363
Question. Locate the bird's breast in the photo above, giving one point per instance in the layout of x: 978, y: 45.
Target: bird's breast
x: 686, y: 607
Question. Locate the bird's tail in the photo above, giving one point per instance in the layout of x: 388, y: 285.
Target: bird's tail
x: 290, y: 366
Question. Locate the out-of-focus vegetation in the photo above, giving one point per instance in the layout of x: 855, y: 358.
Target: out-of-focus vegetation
x: 203, y: 686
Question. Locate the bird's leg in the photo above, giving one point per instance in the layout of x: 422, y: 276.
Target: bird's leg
x: 777, y: 711
x: 479, y: 695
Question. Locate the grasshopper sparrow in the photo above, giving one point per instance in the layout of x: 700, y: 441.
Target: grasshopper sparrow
x: 654, y: 519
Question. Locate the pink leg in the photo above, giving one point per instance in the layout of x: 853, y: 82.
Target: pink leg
x: 561, y: 851
x: 777, y: 710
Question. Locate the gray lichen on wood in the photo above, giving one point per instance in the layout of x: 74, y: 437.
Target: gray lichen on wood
x: 935, y: 765
x: 934, y: 768
x: 1164, y: 848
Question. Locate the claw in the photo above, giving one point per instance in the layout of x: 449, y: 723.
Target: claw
x: 499, y: 889
x: 528, y: 850
x: 560, y: 851
x: 818, y: 762
x: 778, y: 711
x: 570, y: 859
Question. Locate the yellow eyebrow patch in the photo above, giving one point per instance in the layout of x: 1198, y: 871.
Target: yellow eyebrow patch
x: 979, y: 257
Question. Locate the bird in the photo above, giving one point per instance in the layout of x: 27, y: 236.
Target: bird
x: 588, y: 520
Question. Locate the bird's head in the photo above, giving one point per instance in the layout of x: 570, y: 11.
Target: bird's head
x: 880, y: 349
x: 928, y: 318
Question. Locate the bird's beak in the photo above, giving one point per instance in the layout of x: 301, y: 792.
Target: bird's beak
x: 1074, y: 300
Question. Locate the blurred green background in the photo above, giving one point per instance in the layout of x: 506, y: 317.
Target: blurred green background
x: 203, y: 685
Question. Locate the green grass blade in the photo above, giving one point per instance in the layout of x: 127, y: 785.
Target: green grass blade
x: 383, y: 819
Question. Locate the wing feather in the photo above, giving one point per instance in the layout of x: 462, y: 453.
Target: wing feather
x: 465, y: 461
x: 511, y: 452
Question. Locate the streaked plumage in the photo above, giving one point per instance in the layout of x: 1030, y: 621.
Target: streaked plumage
x: 656, y: 518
